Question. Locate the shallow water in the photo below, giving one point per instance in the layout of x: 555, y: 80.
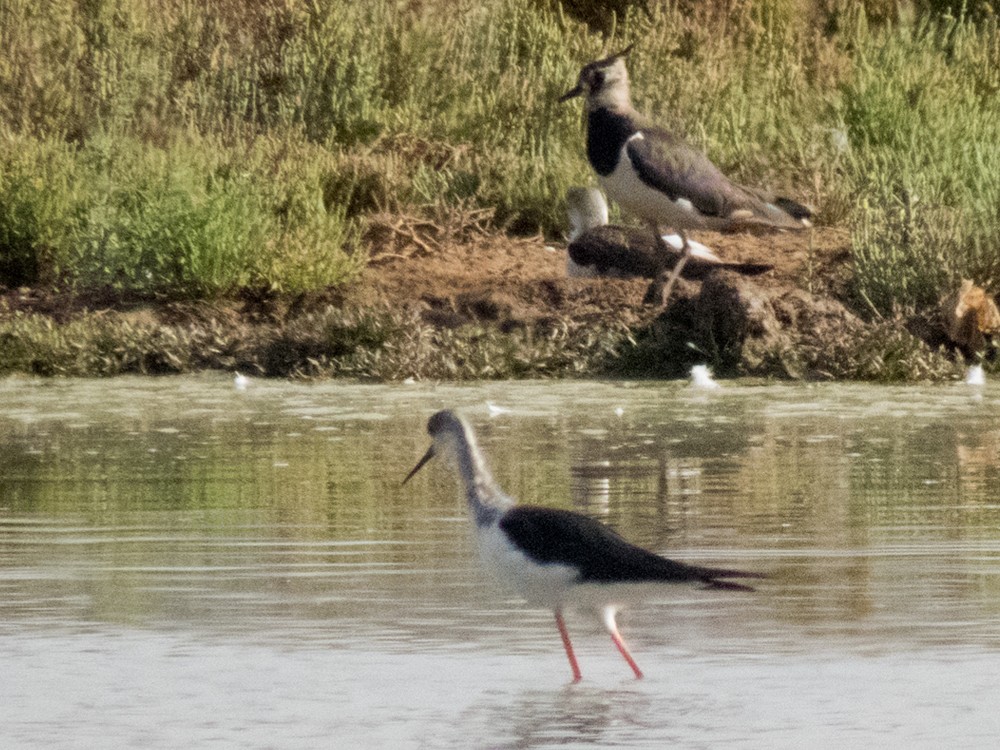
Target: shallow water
x: 183, y: 564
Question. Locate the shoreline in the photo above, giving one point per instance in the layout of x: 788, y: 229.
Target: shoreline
x: 467, y: 303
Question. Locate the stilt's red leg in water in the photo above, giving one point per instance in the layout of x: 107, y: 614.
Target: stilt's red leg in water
x: 623, y: 650
x: 612, y: 628
x: 577, y: 676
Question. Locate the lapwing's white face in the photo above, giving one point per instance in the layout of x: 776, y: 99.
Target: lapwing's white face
x: 605, y: 84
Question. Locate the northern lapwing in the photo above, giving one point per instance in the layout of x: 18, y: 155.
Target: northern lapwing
x: 657, y: 176
x: 557, y: 558
x: 597, y: 248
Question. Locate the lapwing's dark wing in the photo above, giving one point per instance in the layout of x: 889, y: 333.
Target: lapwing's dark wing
x: 620, y: 251
x: 667, y: 163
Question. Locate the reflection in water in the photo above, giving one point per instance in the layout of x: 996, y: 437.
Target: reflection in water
x: 211, y: 535
x: 576, y: 715
x: 590, y: 487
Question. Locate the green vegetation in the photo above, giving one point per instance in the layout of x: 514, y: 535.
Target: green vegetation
x: 191, y: 149
x: 379, y: 342
x: 374, y: 343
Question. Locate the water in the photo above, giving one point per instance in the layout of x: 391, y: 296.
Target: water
x: 183, y: 564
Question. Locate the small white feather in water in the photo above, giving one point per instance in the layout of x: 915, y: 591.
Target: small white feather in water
x: 496, y: 410
x: 240, y: 382
x: 975, y: 376
x: 701, y: 377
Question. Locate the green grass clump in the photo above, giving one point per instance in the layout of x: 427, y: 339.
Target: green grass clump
x: 923, y: 109
x: 191, y: 219
x: 89, y: 346
x: 384, y: 344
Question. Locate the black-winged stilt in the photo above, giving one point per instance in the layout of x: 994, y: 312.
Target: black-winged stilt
x: 557, y: 558
x: 657, y: 176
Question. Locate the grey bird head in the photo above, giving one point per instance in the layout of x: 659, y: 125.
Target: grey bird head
x: 604, y: 83
x: 446, y: 429
x: 586, y: 209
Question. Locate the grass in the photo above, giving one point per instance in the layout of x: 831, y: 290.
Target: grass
x: 189, y: 149
x: 194, y: 218
x: 926, y: 115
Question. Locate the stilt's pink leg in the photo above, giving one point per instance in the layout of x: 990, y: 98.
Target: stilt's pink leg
x: 612, y: 628
x: 623, y: 650
x: 577, y: 676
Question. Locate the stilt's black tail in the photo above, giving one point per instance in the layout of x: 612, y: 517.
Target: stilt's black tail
x: 714, y: 578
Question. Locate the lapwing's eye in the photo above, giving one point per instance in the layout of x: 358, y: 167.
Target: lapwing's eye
x: 597, y: 80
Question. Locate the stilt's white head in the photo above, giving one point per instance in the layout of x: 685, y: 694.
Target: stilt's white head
x: 451, y: 437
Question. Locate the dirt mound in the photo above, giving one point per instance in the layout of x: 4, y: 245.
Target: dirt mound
x: 495, y: 279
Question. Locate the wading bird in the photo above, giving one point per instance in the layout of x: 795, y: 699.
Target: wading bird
x: 557, y: 558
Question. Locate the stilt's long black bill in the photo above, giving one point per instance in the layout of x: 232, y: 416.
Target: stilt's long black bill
x: 420, y: 464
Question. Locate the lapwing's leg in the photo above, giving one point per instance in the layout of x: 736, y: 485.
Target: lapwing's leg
x: 678, y: 267
x: 577, y: 675
x: 616, y: 637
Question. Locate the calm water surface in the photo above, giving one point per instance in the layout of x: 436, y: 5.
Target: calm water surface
x: 186, y: 565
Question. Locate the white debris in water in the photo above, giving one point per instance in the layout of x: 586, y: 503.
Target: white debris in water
x: 496, y: 410
x: 701, y: 377
x: 619, y: 411
x: 240, y: 382
x: 975, y: 376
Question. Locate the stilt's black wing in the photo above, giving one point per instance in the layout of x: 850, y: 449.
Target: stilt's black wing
x: 549, y: 535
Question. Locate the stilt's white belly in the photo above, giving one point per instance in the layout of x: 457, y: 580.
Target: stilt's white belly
x: 541, y: 585
x: 552, y: 585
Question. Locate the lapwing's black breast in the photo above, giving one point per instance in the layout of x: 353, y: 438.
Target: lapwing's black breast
x: 607, y: 132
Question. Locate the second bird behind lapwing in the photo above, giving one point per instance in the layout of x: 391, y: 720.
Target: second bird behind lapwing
x: 657, y: 176
x: 557, y: 558
x: 597, y: 248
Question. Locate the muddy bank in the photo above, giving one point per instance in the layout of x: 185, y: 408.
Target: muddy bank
x: 466, y: 302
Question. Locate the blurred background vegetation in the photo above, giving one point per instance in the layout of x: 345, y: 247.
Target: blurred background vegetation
x: 192, y: 148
